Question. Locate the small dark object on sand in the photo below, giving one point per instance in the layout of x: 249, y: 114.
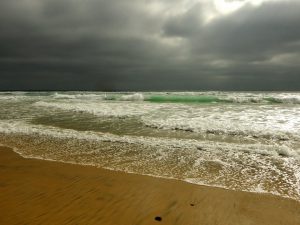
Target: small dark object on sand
x: 158, y: 218
x: 192, y: 204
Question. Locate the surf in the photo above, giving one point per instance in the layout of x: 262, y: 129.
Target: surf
x: 184, y: 99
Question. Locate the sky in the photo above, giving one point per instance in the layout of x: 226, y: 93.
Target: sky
x: 135, y: 45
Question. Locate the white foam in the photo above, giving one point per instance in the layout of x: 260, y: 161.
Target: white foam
x: 84, y: 96
x: 63, y: 96
x: 240, y: 97
x: 238, y: 146
x: 261, y: 121
x: 133, y: 97
x: 155, y: 155
x: 106, y: 109
x: 12, y: 97
x: 11, y: 127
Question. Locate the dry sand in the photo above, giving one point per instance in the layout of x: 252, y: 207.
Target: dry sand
x: 42, y: 192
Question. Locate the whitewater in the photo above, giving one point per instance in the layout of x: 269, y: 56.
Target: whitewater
x: 247, y: 141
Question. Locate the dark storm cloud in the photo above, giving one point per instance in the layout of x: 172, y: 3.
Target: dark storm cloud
x: 151, y: 44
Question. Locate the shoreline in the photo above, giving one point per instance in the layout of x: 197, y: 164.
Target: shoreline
x: 35, y: 191
x: 148, y: 175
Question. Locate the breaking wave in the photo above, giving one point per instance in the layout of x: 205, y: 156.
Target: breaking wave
x: 214, y: 99
x: 167, y: 97
x: 174, y: 98
x: 237, y: 140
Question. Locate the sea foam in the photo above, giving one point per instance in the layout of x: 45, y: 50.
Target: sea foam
x: 240, y: 141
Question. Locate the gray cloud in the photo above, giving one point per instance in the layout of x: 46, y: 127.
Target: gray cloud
x: 148, y: 45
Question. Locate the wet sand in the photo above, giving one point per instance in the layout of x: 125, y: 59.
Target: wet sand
x: 43, y: 192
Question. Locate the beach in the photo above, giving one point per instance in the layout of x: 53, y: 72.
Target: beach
x: 150, y: 112
x: 242, y: 141
x: 45, y: 192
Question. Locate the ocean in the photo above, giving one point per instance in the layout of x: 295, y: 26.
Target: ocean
x: 247, y: 141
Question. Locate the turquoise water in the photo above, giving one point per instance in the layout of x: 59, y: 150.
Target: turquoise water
x: 245, y: 141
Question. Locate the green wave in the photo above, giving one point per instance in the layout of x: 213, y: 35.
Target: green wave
x: 184, y: 99
x: 272, y: 100
x: 177, y: 98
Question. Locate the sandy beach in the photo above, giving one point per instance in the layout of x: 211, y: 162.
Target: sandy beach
x: 43, y: 192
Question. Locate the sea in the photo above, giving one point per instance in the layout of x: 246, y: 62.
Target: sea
x: 245, y: 141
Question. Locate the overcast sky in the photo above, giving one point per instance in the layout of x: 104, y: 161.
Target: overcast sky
x: 150, y: 44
